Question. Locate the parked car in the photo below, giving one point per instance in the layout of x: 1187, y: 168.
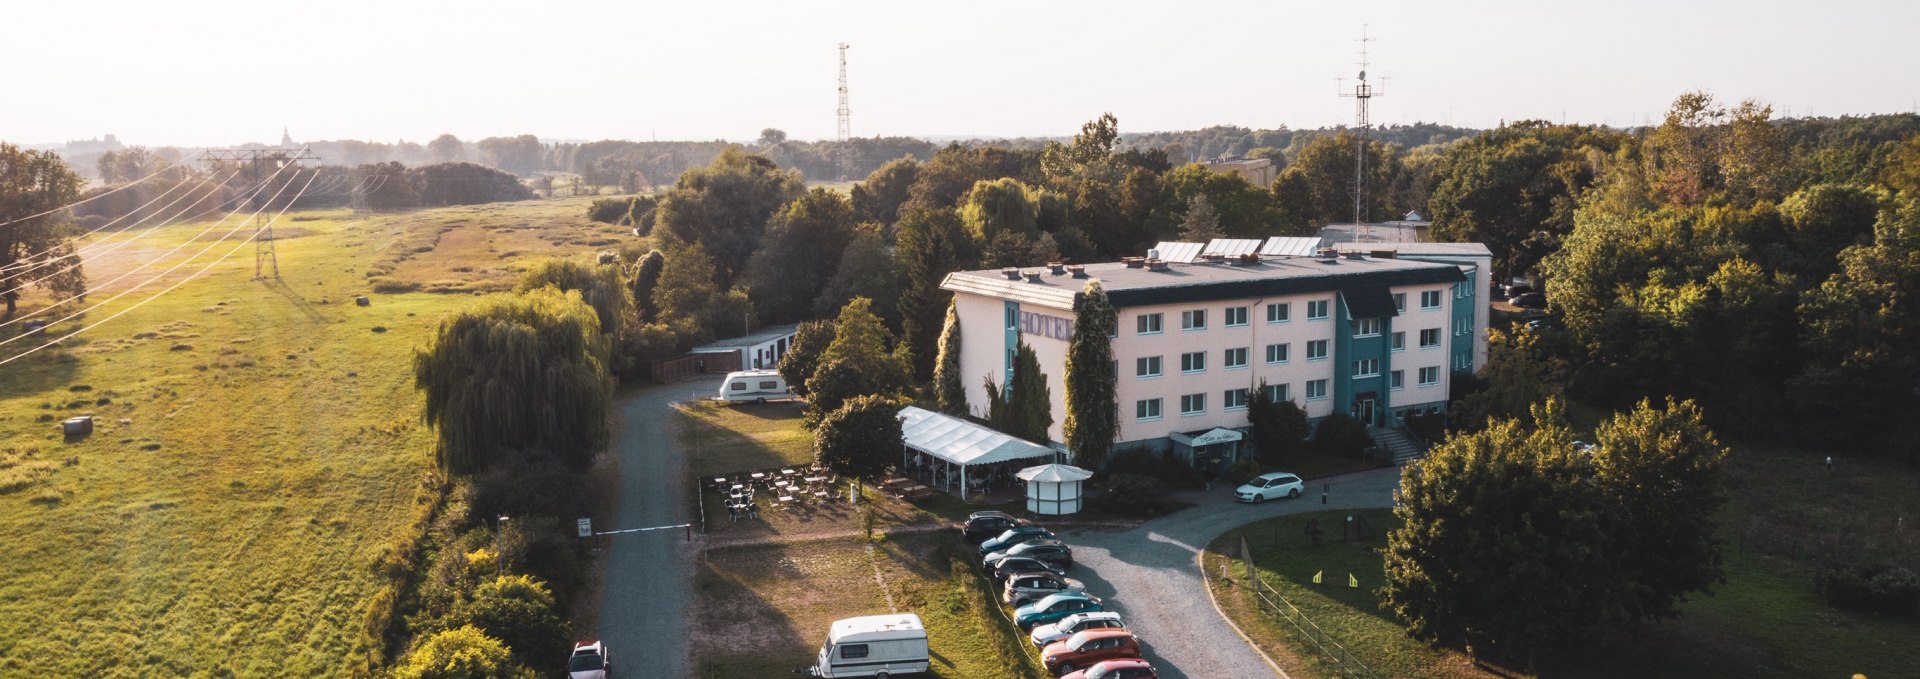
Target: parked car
x: 1518, y: 289
x: 1531, y: 300
x: 1067, y: 626
x: 983, y: 525
x: 1086, y: 648
x: 1013, y: 536
x: 1266, y: 486
x: 1016, y: 565
x: 1028, y: 587
x: 1123, y: 668
x: 1055, y: 607
x: 1053, y: 551
x: 1532, y: 314
x: 590, y: 661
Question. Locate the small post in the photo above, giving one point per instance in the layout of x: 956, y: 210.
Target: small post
x: 499, y: 557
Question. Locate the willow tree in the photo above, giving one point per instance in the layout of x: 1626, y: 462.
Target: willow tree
x: 950, y: 395
x: 1093, y: 417
x: 524, y: 373
x: 601, y: 286
x: 36, y: 240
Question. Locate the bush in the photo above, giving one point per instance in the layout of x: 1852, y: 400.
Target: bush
x: 1340, y: 435
x: 459, y: 653
x: 1133, y: 495
x: 1160, y: 465
x: 1242, y: 472
x: 518, y: 610
x: 1878, y: 589
x: 609, y: 210
x: 1430, y: 428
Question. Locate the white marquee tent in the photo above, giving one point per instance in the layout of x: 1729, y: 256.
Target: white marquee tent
x: 949, y: 447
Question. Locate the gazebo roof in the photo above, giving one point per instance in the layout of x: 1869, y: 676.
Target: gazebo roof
x: 1054, y: 473
x: 961, y: 442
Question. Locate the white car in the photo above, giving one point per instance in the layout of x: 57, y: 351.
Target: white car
x: 1266, y: 486
x: 590, y: 661
x: 1078, y: 622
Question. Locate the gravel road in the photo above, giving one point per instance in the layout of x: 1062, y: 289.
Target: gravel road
x: 643, y: 605
x: 1151, y: 574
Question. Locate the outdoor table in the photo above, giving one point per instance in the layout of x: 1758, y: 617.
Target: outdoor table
x: 781, y: 484
x: 758, y: 476
x: 821, y: 494
x: 787, y: 472
x: 816, y: 479
x: 786, y: 499
x: 739, y: 486
x: 720, y: 480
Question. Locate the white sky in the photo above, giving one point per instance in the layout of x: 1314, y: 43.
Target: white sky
x: 218, y: 72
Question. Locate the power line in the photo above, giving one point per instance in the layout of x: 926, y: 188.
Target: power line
x: 98, y: 196
x: 184, y: 262
x: 203, y: 270
x: 28, y: 264
x: 244, y: 196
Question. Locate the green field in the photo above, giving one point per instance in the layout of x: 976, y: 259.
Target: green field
x: 258, y: 465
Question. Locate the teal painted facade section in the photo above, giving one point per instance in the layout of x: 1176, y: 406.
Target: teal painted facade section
x: 1013, y: 343
x: 1349, y: 349
x: 1466, y: 298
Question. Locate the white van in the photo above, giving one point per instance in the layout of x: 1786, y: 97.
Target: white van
x: 754, y: 385
x: 874, y: 646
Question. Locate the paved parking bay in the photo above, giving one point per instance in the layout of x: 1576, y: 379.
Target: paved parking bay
x: 1151, y: 574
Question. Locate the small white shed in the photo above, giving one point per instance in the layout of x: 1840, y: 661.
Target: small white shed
x: 1054, y: 489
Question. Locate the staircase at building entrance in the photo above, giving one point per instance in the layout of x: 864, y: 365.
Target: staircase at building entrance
x: 1400, y: 447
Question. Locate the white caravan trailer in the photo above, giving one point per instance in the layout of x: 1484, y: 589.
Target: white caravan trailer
x: 754, y: 385
x: 874, y: 646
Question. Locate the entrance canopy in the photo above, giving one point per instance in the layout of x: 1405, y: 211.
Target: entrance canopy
x: 1217, y: 435
x: 950, y: 445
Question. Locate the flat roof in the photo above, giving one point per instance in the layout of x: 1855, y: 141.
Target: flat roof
x: 1421, y: 249
x: 1201, y: 282
x: 767, y: 334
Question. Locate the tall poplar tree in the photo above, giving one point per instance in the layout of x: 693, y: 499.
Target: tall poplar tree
x: 950, y: 394
x: 1093, y: 416
x: 1025, y: 408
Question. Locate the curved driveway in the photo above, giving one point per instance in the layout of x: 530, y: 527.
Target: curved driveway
x: 1151, y: 574
x: 647, y: 576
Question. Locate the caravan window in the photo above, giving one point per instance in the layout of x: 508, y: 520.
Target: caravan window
x: 739, y: 386
x: 769, y: 384
x: 853, y: 651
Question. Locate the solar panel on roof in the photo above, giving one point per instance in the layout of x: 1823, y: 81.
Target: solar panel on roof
x: 1179, y: 252
x: 1290, y: 246
x: 1232, y: 247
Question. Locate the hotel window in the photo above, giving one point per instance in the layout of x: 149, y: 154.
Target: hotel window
x: 1400, y: 341
x: 1193, y: 362
x: 1279, y: 392
x: 1236, y: 316
x: 1013, y: 318
x: 1429, y: 376
x: 1277, y: 353
x: 1460, y: 326
x: 1316, y: 390
x: 1193, y: 404
x: 1234, y: 399
x: 1146, y: 366
x: 1145, y: 410
x: 1430, y: 299
x: 1114, y: 368
x: 1234, y: 358
x: 1366, y: 367
x: 1316, y: 350
x: 1430, y: 337
x: 1366, y: 327
x: 1397, y: 379
x: 1147, y: 324
x: 1279, y: 312
x: 1317, y: 310
x: 1193, y: 320
x: 1400, y: 302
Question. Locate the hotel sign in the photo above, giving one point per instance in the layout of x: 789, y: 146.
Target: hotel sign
x: 1046, y: 326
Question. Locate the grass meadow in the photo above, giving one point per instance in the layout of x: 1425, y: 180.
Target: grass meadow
x: 258, y: 471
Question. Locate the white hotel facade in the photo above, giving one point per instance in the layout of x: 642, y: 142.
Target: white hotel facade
x: 1376, y: 335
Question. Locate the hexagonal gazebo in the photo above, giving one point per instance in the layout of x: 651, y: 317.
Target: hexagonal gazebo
x: 1053, y: 489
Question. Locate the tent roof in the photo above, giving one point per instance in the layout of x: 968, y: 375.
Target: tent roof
x: 961, y: 442
x: 1054, y: 473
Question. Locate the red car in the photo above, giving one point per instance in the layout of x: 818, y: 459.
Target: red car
x: 1125, y: 668
x: 1084, y: 649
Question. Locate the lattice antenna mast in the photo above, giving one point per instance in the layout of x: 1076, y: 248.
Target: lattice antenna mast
x: 1362, y: 93
x: 846, y: 116
x: 266, y: 261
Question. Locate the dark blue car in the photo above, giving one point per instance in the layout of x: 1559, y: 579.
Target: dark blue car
x: 1014, y: 536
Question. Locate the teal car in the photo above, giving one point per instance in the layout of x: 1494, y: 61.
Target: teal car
x: 1055, y: 607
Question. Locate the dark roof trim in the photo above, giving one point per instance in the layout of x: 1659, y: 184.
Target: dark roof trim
x: 1274, y: 287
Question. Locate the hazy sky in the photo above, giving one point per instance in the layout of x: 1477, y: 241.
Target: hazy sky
x: 215, y: 72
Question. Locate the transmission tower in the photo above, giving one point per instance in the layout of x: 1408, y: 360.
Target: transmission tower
x: 357, y: 199
x: 256, y: 161
x: 846, y: 117
x: 1362, y: 94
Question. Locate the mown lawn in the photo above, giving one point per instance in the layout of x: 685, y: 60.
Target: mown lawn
x: 258, y: 455
x: 763, y: 610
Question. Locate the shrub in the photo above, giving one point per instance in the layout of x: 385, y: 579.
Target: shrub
x: 1160, y: 465
x: 517, y: 610
x: 609, y: 210
x: 1340, y: 434
x: 459, y: 653
x: 1877, y: 588
x: 1133, y: 495
x: 1242, y: 472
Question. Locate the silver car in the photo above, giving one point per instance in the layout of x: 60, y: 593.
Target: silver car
x: 1030, y: 587
x: 1072, y: 624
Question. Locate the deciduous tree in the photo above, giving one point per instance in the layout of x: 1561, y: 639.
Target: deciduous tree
x: 861, y: 438
x: 803, y: 244
x: 810, y: 341
x: 31, y: 183
x: 724, y: 207
x: 1280, y: 428
x: 931, y: 244
x: 1025, y: 408
x: 950, y: 394
x: 1093, y: 411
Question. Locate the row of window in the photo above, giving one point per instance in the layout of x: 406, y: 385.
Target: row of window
x: 1147, y: 367
x: 1277, y: 312
x: 1149, y: 409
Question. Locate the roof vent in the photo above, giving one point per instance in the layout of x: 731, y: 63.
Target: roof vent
x: 1156, y: 264
x: 1057, y: 268
x: 1356, y: 255
x: 1133, y: 262
x: 1077, y: 271
x: 1214, y: 257
x: 1153, y: 253
x: 1011, y: 273
x: 1383, y: 254
x: 1032, y: 276
x: 1246, y: 259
